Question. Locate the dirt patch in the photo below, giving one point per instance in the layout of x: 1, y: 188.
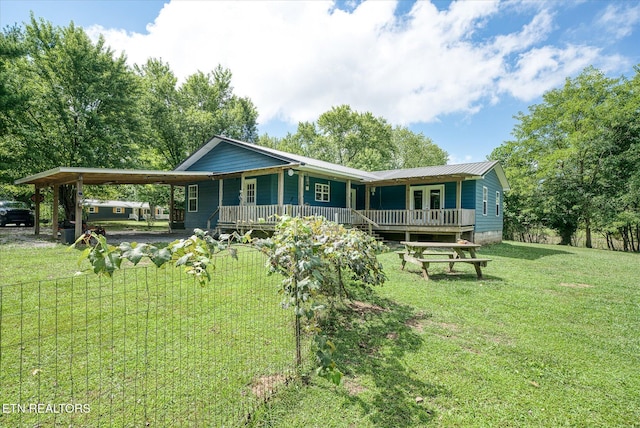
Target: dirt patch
x: 352, y: 386
x: 572, y: 285
x: 364, y: 307
x: 265, y: 386
x: 417, y: 322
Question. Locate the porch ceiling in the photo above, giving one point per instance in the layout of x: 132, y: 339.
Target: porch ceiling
x: 67, y: 175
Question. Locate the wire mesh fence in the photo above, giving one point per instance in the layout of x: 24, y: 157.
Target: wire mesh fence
x: 147, y: 347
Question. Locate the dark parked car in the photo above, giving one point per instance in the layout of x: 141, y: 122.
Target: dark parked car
x: 14, y: 212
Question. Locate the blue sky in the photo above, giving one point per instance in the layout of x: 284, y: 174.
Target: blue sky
x: 456, y: 71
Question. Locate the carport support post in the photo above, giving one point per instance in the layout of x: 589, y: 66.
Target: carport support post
x: 79, y: 196
x: 171, y: 196
x: 37, y: 212
x: 54, y: 214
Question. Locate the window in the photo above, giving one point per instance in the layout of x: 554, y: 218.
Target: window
x: 118, y: 210
x: 485, y: 200
x: 93, y: 210
x: 250, y: 187
x: 497, y: 204
x: 193, y: 198
x: 322, y: 192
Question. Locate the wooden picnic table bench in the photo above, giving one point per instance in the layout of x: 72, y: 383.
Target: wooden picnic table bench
x: 455, y: 252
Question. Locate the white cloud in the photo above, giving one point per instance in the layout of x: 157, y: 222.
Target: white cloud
x: 619, y: 19
x: 297, y: 59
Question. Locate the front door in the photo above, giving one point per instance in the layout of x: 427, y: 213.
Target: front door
x: 426, y: 203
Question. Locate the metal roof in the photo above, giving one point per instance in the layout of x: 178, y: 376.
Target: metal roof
x: 466, y: 171
x: 66, y: 175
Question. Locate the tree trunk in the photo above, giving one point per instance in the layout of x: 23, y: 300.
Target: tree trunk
x: 587, y: 230
x: 565, y: 237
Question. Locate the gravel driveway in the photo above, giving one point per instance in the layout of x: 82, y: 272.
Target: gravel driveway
x: 24, y: 236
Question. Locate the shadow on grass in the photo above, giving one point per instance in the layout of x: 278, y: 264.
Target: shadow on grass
x: 372, y: 334
x: 526, y: 252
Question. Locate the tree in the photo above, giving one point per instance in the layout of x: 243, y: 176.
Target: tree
x: 349, y: 138
x: 164, y: 143
x: 415, y: 150
x: 183, y: 118
x: 82, y: 108
x: 569, y: 152
x: 359, y: 140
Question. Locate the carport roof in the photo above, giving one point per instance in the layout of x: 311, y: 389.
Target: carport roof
x: 68, y: 175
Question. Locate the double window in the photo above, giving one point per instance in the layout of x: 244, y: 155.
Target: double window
x: 322, y: 192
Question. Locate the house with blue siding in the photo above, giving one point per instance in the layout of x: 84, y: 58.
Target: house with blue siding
x: 248, y: 186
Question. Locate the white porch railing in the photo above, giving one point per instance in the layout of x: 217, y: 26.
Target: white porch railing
x: 253, y: 213
x: 443, y: 217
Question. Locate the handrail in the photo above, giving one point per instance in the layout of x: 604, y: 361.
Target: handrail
x: 210, y: 217
x: 365, y: 218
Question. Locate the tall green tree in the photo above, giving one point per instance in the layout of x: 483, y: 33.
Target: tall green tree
x: 82, y: 107
x: 566, y: 159
x: 413, y: 150
x: 184, y: 117
x: 350, y: 138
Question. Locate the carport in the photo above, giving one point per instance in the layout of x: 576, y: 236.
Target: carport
x: 78, y: 177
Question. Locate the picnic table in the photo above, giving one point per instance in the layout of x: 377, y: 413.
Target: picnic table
x: 441, y: 252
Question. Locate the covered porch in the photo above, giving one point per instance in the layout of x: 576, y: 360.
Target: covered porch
x: 449, y: 221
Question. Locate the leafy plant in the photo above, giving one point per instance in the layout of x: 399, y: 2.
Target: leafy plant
x: 194, y: 253
x: 305, y: 251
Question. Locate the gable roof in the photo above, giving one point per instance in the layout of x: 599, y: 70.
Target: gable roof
x: 302, y: 162
x: 468, y: 171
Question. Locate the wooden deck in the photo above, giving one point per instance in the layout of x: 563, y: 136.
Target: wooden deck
x: 446, y: 221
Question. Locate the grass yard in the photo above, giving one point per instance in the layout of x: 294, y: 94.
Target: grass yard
x: 150, y: 348
x: 550, y: 337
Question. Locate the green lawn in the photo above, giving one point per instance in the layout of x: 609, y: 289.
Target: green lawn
x: 148, y: 348
x: 548, y: 338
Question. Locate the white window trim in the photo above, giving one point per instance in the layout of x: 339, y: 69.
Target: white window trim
x: 485, y: 200
x: 192, y: 194
x: 248, y: 182
x: 497, y: 204
x: 324, y: 189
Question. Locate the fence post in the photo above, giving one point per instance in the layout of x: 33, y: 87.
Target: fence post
x: 297, y: 327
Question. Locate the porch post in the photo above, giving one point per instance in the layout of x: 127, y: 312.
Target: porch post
x: 220, y: 189
x: 54, y: 214
x: 242, y: 184
x: 36, y: 223
x: 281, y: 188
x: 171, y: 204
x: 300, y: 188
x: 407, y: 197
x: 79, y: 196
x: 459, y: 201
x: 348, y: 194
x: 367, y: 197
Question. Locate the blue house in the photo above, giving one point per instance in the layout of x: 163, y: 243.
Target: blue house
x: 247, y: 183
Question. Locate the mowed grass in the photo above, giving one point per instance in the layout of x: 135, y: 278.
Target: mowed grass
x: 148, y: 348
x: 550, y: 337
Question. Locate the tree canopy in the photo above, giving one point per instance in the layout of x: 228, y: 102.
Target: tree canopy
x: 571, y: 164
x: 359, y: 140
